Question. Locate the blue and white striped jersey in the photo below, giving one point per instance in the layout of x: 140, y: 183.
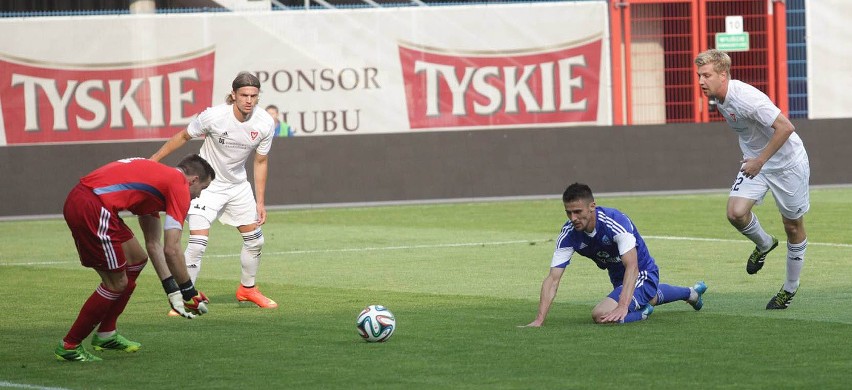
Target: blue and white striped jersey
x: 602, y: 246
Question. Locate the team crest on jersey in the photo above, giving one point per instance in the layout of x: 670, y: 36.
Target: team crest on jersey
x: 253, y: 135
x: 733, y: 116
x: 606, y: 240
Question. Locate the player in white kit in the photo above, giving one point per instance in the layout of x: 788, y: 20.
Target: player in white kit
x: 233, y: 131
x: 774, y: 159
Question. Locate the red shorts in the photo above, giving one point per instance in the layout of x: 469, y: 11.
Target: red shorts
x: 98, y: 232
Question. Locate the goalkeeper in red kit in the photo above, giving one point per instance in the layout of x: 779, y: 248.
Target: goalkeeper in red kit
x: 106, y: 244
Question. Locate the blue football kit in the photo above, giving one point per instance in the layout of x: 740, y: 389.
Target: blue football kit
x: 602, y: 246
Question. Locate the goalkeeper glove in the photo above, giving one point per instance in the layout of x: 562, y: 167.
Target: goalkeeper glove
x: 198, y: 304
x: 194, y: 301
x: 176, y: 301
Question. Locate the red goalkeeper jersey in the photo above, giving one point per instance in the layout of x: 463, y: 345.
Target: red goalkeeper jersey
x: 141, y: 186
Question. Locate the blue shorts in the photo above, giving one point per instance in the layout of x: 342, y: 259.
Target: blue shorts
x: 646, y: 289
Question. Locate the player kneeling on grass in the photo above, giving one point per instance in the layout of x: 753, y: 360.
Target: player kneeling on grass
x: 609, y: 238
x: 106, y: 244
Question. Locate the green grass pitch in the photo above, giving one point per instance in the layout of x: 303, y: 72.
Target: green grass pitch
x: 460, y: 279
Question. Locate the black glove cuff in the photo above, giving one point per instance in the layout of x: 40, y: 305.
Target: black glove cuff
x: 188, y: 290
x: 170, y: 285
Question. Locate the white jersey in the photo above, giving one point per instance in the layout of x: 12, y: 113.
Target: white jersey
x: 229, y: 142
x: 751, y: 114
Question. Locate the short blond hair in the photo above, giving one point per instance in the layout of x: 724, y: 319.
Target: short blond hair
x: 720, y: 60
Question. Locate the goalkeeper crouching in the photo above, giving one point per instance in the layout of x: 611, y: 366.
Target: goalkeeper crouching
x: 107, y: 245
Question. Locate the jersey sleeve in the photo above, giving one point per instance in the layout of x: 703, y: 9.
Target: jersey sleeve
x: 760, y: 108
x: 564, y: 248
x: 625, y: 241
x: 197, y: 126
x: 177, y: 202
x: 172, y: 224
x: 622, y: 231
x: 266, y: 143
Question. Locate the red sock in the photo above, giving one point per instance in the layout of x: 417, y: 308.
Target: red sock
x: 109, y: 322
x: 111, y: 317
x: 91, y: 314
x: 133, y: 271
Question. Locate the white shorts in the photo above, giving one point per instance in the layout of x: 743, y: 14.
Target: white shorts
x: 234, y: 205
x: 789, y: 187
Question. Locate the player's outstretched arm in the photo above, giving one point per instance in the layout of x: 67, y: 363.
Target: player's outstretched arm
x: 174, y: 255
x: 152, y: 231
x: 191, y: 300
x: 171, y: 145
x: 548, y: 292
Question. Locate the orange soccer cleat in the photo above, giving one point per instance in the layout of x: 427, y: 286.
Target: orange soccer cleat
x: 252, y: 294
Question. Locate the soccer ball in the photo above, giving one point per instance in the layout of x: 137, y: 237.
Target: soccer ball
x: 376, y: 324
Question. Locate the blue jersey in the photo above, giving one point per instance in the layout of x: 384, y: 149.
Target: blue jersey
x: 611, y: 227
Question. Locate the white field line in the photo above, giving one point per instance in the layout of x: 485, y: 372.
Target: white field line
x: 469, y: 244
x: 10, y: 385
x: 393, y: 248
x: 433, y: 246
x: 829, y: 244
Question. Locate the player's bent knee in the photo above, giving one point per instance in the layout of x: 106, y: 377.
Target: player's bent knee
x: 137, y: 266
x: 603, y: 308
x: 136, y: 261
x: 253, y: 241
x: 738, y: 218
x: 117, y: 284
x: 597, y: 315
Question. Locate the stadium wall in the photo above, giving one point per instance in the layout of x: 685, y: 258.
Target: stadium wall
x: 448, y: 165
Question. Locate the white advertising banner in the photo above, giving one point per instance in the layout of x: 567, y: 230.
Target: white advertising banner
x: 829, y: 38
x: 331, y: 72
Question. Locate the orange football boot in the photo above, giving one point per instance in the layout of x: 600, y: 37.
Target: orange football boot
x: 245, y: 294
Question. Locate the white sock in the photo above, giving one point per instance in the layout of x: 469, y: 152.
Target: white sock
x: 250, y: 256
x: 757, y: 235
x: 795, y: 262
x: 194, y: 250
x: 106, y: 335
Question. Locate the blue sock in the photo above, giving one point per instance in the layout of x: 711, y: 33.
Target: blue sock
x: 669, y: 293
x: 633, y: 316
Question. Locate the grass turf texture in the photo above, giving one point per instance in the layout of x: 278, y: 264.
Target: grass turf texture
x: 459, y: 278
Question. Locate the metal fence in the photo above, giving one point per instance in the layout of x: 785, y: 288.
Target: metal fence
x: 797, y: 59
x: 662, y: 37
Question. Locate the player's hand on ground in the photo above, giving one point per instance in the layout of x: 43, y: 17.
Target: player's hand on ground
x: 615, y: 316
x: 176, y: 301
x: 197, y: 305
